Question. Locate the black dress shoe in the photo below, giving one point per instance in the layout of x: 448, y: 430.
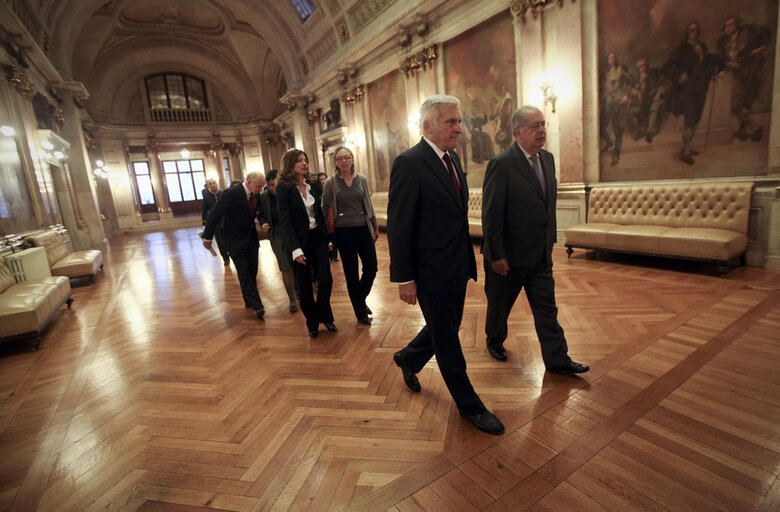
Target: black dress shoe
x: 410, y: 379
x: 330, y: 326
x: 497, y: 353
x: 313, y: 333
x: 570, y: 367
x: 260, y: 313
x: 364, y: 320
x: 293, y: 308
x: 486, y: 422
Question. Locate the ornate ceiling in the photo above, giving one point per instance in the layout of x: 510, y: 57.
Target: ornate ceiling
x: 249, y: 52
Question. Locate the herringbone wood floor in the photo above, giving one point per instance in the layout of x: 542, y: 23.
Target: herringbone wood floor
x: 159, y: 391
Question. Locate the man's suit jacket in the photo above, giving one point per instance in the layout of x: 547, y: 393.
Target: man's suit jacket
x: 264, y: 211
x: 209, y: 202
x: 293, y: 218
x: 427, y: 223
x: 239, y: 224
x: 518, y: 219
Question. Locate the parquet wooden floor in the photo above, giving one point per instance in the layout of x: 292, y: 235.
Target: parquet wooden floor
x: 159, y: 391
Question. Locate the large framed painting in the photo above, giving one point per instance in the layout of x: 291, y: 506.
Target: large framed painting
x: 16, y: 213
x: 685, y: 88
x: 387, y: 104
x: 479, y: 69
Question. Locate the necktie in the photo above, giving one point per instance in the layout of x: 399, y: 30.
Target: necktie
x: 252, y: 205
x: 453, y: 176
x: 538, y: 170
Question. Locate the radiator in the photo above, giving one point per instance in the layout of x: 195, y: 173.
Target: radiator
x: 28, y: 264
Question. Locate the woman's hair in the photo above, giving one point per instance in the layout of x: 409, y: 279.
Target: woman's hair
x: 345, y: 148
x: 286, y: 174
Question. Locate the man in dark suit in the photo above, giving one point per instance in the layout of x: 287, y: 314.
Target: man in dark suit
x: 210, y: 195
x: 519, y: 226
x: 237, y: 205
x: 431, y: 256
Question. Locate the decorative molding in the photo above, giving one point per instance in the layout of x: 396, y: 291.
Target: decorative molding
x: 354, y: 95
x: 418, y: 60
x: 313, y: 115
x: 334, y: 6
x: 343, y: 30
x: 366, y: 11
x: 20, y: 81
x: 322, y: 49
x: 520, y: 8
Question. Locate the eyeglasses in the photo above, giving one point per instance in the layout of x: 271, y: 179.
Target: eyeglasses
x: 344, y: 158
x: 538, y: 124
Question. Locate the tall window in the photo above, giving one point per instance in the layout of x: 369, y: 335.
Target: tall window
x: 143, y: 187
x: 305, y: 8
x: 185, y: 179
x: 226, y: 167
x: 176, y: 91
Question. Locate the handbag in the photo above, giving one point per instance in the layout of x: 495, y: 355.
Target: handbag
x: 330, y: 213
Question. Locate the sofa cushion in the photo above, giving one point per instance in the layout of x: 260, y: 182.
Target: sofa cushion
x: 6, y: 277
x: 56, y: 289
x: 22, y: 311
x: 716, y: 244
x: 589, y: 235
x: 79, y: 263
x: 636, y: 238
x: 52, y: 242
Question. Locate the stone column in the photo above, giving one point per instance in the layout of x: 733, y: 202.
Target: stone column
x: 216, y: 147
x: 158, y: 181
x: 89, y: 232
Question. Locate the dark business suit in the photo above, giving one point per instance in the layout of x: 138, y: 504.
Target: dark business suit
x: 294, y: 222
x: 209, y: 202
x: 240, y: 238
x: 427, y: 231
x: 518, y: 222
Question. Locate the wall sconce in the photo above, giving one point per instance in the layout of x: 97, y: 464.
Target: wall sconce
x: 548, y: 91
x: 185, y: 154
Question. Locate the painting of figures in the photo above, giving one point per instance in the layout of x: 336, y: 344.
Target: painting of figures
x: 479, y: 69
x: 685, y: 88
x: 387, y: 96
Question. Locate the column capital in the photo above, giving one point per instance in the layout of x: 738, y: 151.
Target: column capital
x: 77, y: 89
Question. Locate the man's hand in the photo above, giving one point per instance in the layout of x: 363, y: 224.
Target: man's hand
x: 266, y: 227
x: 500, y: 267
x: 207, y: 244
x: 301, y: 259
x: 408, y: 293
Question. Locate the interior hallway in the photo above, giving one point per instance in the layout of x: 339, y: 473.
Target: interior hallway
x: 159, y: 391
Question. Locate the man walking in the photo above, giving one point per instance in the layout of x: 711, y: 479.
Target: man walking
x: 237, y: 205
x: 519, y: 226
x: 431, y: 256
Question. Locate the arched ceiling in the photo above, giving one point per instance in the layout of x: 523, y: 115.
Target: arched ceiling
x: 244, y: 49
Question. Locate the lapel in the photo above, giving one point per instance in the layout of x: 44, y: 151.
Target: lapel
x: 439, y: 170
x: 527, y: 172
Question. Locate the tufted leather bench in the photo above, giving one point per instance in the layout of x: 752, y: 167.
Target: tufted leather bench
x: 63, y: 262
x: 379, y: 201
x: 26, y: 308
x: 699, y: 221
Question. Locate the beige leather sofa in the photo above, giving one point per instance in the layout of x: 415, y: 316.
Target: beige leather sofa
x: 699, y: 220
x: 379, y: 201
x: 63, y: 262
x: 26, y: 308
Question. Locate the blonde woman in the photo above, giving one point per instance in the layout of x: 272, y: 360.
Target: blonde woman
x: 356, y: 229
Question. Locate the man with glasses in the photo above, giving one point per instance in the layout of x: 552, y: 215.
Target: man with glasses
x: 519, y: 226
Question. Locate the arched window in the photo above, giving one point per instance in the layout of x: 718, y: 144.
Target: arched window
x: 176, y: 97
x: 305, y: 8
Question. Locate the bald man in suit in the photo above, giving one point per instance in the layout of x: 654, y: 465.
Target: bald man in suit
x: 237, y: 205
x: 518, y: 221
